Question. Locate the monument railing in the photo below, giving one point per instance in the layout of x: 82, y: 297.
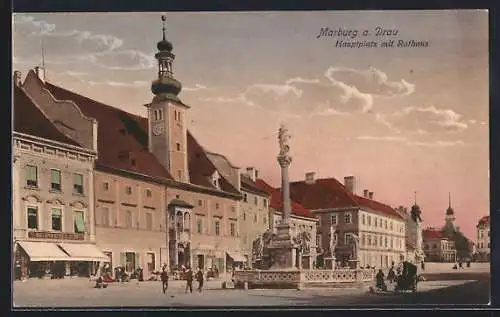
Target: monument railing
x: 306, y: 276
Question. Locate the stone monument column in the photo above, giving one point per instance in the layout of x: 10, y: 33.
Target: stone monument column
x: 285, y: 249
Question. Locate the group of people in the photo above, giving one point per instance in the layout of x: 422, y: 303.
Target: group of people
x: 395, y: 274
x: 190, y: 276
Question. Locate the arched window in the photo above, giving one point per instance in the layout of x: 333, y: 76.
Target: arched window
x: 160, y: 115
x: 155, y: 114
x: 187, y: 219
x: 179, y: 221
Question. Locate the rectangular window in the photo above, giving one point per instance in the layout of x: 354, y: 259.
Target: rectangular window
x: 363, y: 219
x: 245, y: 197
x: 128, y: 190
x: 199, y: 226
x: 232, y: 229
x: 369, y: 240
x: 369, y: 220
x: 386, y: 242
x: 55, y: 180
x: 56, y: 219
x: 128, y: 219
x: 255, y: 218
x: 31, y: 176
x: 363, y: 239
x: 149, y: 193
x: 151, y: 262
x: 216, y: 205
x: 265, y: 202
x: 390, y: 225
x: 380, y: 241
x: 375, y: 222
x: 233, y: 209
x: 334, y: 219
x: 79, y: 222
x: 385, y: 223
x: 347, y: 238
x: 200, y: 202
x: 105, y: 186
x: 255, y: 201
x: 32, y: 218
x: 392, y: 243
x: 78, y: 183
x: 149, y: 221
x: 105, y: 216
x: 347, y: 217
x: 217, y: 228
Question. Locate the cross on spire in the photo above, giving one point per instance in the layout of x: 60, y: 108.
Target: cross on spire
x: 164, y: 19
x: 415, y: 197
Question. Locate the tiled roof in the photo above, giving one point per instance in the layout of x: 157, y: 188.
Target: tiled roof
x: 122, y: 137
x: 201, y: 168
x: 330, y: 193
x: 123, y: 143
x: 247, y: 184
x: 29, y: 119
x: 429, y: 234
x: 275, y: 201
x: 484, y: 220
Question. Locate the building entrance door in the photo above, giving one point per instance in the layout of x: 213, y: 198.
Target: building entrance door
x: 201, y: 261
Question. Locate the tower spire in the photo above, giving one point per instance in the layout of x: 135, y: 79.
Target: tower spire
x: 415, y: 197
x: 449, y: 199
x: 163, y: 19
x: 42, y: 47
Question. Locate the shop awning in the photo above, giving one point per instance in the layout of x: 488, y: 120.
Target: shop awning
x: 237, y: 257
x: 84, y: 252
x: 43, y: 251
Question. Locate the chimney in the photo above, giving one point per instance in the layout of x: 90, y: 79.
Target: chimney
x: 350, y: 183
x: 252, y: 173
x: 370, y: 195
x: 40, y: 72
x: 310, y: 178
x: 365, y: 193
x: 16, y: 78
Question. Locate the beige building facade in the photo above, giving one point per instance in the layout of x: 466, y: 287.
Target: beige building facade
x: 345, y: 217
x: 53, y: 210
x: 483, y: 240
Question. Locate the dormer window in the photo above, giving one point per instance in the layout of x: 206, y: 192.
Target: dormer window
x: 216, y: 180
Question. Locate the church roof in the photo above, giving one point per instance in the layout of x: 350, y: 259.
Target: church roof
x: 29, y: 119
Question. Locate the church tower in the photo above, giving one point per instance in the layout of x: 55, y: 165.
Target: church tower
x: 450, y: 214
x: 167, y: 115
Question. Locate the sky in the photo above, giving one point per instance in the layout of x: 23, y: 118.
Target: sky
x: 400, y: 119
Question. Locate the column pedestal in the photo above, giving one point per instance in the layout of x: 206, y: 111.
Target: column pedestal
x: 283, y: 249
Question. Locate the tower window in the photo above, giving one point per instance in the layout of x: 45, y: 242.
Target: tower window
x: 178, y: 145
x: 160, y: 115
x: 175, y: 114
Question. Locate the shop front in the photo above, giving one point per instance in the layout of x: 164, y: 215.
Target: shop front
x: 56, y: 260
x: 235, y: 260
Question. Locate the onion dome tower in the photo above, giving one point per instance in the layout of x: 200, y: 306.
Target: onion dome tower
x: 165, y: 87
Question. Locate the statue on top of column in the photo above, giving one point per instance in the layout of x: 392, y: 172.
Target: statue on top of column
x: 283, y: 137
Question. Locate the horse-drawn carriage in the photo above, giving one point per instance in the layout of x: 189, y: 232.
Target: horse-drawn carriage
x: 408, y: 279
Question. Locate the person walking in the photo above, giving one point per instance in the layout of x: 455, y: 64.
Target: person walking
x: 189, y: 280
x: 199, y: 278
x: 164, y: 279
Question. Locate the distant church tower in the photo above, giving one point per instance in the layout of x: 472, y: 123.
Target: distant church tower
x: 450, y: 214
x: 167, y: 115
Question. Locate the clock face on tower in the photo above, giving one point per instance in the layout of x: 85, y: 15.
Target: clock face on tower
x: 158, y: 128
